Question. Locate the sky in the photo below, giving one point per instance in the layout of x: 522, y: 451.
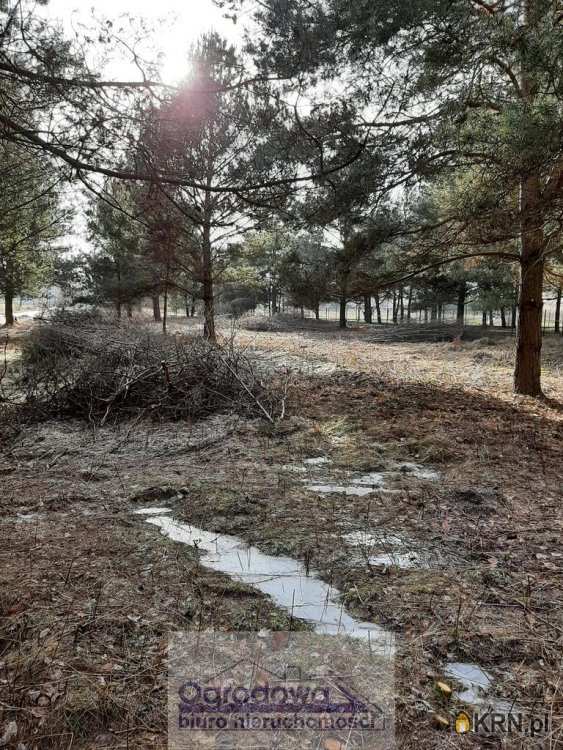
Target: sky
x: 176, y: 22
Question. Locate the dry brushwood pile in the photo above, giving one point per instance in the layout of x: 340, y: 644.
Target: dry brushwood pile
x: 87, y: 368
x: 376, y: 333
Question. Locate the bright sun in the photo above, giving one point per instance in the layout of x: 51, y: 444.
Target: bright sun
x: 177, y: 23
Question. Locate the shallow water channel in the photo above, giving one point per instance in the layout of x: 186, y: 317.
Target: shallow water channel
x: 291, y: 587
x: 283, y: 579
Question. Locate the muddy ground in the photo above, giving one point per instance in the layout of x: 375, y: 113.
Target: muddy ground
x: 464, y: 566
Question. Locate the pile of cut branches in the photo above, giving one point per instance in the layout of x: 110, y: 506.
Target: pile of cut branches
x: 95, y: 370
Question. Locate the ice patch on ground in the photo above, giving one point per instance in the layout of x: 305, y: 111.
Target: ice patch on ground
x: 477, y: 684
x: 370, y: 539
x: 397, y: 559
x: 285, y: 580
x: 341, y: 489
x: 418, y: 471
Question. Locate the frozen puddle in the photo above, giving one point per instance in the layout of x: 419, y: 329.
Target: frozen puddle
x: 366, y: 484
x: 308, y: 464
x: 367, y: 539
x: 477, y: 684
x: 367, y: 543
x: 319, y: 461
x: 341, y: 489
x: 419, y: 472
x: 397, y: 560
x: 359, y: 486
x: 151, y: 511
x: 283, y: 579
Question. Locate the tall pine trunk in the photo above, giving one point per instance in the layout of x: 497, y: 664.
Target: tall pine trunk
x: 208, y: 296
x: 156, y: 308
x: 368, y: 318
x: 527, y: 374
x: 461, y: 297
x: 343, y: 303
x: 165, y: 310
x: 9, y: 306
x: 343, y: 276
x: 378, y: 308
x: 558, y: 311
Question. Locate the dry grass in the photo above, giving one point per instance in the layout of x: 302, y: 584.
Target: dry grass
x: 490, y: 531
x: 484, y: 366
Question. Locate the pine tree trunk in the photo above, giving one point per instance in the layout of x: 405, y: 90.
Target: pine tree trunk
x: 9, y: 307
x: 368, y: 317
x: 461, y: 297
x: 129, y: 310
x: 343, y: 303
x: 491, y: 318
x: 208, y: 296
x: 402, y: 304
x: 165, y: 309
x: 409, y: 304
x: 378, y: 308
x: 527, y: 375
x: 187, y: 304
x: 118, y: 309
x: 503, y: 317
x: 558, y: 311
x: 156, y: 308
x: 317, y: 311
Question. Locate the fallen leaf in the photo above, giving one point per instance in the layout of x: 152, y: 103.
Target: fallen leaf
x: 443, y: 687
x: 16, y: 609
x: 441, y: 721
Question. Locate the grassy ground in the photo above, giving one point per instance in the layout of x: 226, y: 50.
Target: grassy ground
x: 89, y: 590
